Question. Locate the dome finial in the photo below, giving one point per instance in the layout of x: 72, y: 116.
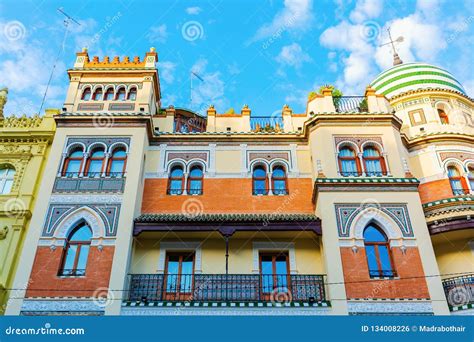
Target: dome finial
x: 396, y: 58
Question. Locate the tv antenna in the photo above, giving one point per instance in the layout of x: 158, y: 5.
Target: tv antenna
x: 67, y: 22
x: 191, y: 74
x: 396, y: 58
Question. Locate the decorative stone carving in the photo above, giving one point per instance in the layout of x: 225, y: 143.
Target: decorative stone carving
x: 3, y: 232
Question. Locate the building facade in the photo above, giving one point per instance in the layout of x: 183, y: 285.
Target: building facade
x: 360, y: 205
x: 25, y: 144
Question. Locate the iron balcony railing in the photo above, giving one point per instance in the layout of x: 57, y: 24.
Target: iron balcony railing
x: 93, y: 175
x: 346, y: 104
x: 382, y: 273
x: 260, y: 191
x: 179, y: 191
x: 71, y: 272
x: 459, y: 290
x: 224, y: 288
x: 266, y: 123
x: 461, y: 191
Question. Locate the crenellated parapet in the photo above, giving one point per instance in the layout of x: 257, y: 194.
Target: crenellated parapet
x: 83, y: 61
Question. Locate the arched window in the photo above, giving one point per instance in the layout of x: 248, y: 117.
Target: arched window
x: 95, y: 163
x: 97, y: 94
x: 377, y: 250
x: 259, y: 180
x: 470, y: 176
x: 443, y: 117
x: 195, y: 181
x: 348, y: 162
x: 373, y: 162
x: 132, y: 94
x: 7, y: 174
x: 456, y: 180
x: 176, y: 181
x: 86, y: 94
x: 109, y: 94
x: 73, y: 163
x: 76, y: 252
x: 121, y: 94
x: 279, y: 181
x: 117, y: 163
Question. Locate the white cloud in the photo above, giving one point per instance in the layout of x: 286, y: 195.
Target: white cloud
x: 293, y: 55
x: 366, y: 9
x: 358, y: 41
x: 158, y: 34
x: 166, y: 70
x: 423, y: 41
x: 295, y: 16
x: 211, y: 91
x: 193, y: 10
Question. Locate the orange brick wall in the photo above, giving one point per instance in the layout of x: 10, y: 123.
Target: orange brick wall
x: 230, y: 196
x: 359, y: 284
x: 436, y: 190
x: 47, y: 264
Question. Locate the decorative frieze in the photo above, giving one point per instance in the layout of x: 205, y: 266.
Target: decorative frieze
x: 347, y: 212
x: 58, y: 214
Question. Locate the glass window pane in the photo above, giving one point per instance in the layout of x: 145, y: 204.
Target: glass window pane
x: 371, y: 152
x: 186, y: 277
x: 76, y: 154
x: 346, y: 152
x: 7, y: 187
x: 120, y: 154
x: 70, y: 257
x: 278, y: 172
x: 373, y: 167
x: 117, y: 166
x: 279, y: 184
x: 196, y: 172
x: 259, y: 172
x: 372, y: 234
x: 175, y: 185
x: 82, y: 259
x: 259, y: 187
x: 95, y: 166
x: 98, y: 154
x: 371, y: 259
x: 177, y: 172
x: 3, y: 172
x: 453, y: 172
x: 349, y: 167
x: 82, y: 234
x: 385, y: 260
x: 73, y: 166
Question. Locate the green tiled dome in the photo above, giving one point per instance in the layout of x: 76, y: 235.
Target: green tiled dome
x: 411, y: 76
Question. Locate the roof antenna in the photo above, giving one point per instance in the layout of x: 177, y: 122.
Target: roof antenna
x: 396, y: 58
x: 191, y: 74
x: 67, y: 21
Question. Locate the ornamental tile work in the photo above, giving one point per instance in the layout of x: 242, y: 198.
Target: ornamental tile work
x: 358, y: 140
x: 347, y: 212
x: 462, y: 156
x: 109, y: 214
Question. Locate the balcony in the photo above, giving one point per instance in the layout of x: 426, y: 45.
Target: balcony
x: 266, y: 123
x: 459, y: 291
x: 179, y: 191
x: 92, y: 182
x: 227, y: 288
x: 351, y: 104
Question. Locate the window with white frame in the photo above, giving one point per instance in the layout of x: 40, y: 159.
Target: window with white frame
x: 7, y: 174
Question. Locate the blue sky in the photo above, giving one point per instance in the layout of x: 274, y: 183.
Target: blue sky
x: 260, y: 53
